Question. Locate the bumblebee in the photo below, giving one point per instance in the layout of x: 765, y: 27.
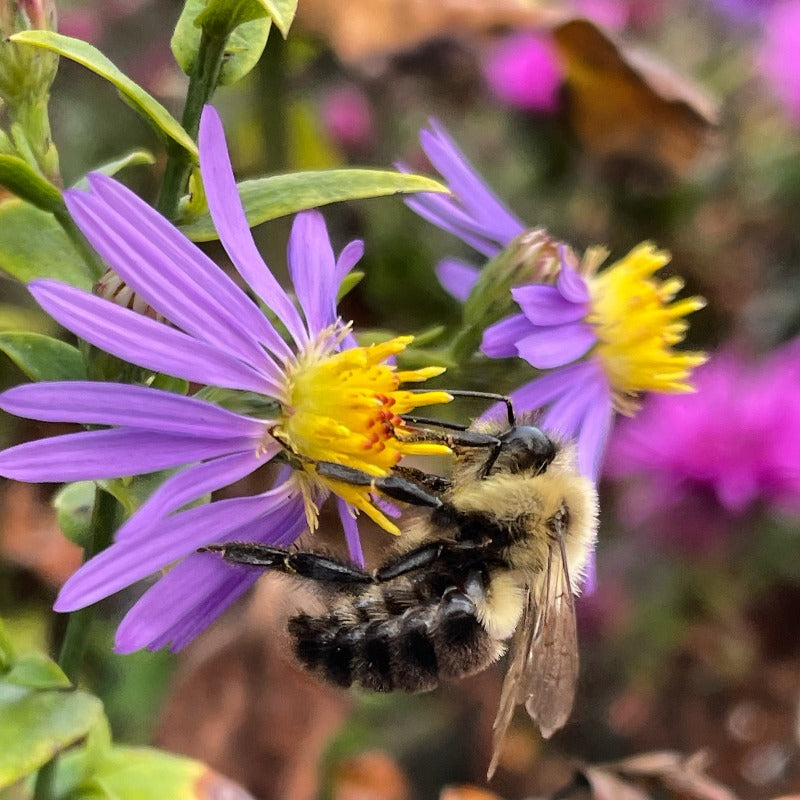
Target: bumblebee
x: 495, y: 557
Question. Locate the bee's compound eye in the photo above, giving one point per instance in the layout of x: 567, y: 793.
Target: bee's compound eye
x: 526, y: 447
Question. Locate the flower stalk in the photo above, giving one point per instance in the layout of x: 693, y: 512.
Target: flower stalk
x: 76, y: 633
x: 202, y: 83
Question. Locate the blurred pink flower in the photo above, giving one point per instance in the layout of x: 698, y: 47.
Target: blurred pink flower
x: 780, y: 54
x: 692, y: 464
x: 524, y: 71
x: 611, y: 14
x: 347, y: 117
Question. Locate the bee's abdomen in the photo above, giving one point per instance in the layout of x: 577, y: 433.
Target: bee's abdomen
x: 410, y: 651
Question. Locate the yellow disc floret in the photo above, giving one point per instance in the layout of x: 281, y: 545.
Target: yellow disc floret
x: 637, y: 325
x: 344, y: 407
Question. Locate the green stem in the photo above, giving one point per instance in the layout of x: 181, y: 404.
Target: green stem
x: 202, y: 83
x: 73, y: 645
x: 273, y: 102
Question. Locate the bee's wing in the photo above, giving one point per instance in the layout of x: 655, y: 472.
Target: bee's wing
x: 543, y: 668
x: 547, y: 685
x: 519, y: 653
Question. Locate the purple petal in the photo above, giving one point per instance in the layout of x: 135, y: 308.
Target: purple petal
x: 350, y: 526
x: 545, y: 305
x: 476, y: 196
x: 348, y: 258
x: 143, y: 341
x: 571, y: 285
x: 236, y: 307
x: 445, y: 214
x: 595, y: 430
x: 198, y: 589
x: 312, y: 268
x: 92, y: 403
x: 557, y: 345
x: 126, y: 562
x: 544, y: 390
x: 457, y: 277
x: 139, y: 247
x: 231, y: 223
x: 117, y: 453
x: 500, y: 340
x: 191, y: 483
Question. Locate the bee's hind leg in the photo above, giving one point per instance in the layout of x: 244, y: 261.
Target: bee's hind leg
x: 314, y: 566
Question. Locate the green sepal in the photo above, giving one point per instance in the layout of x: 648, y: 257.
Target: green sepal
x: 43, y: 358
x: 134, y: 158
x: 33, y: 245
x: 36, y: 725
x: 91, y: 58
x: 73, y: 505
x: 36, y: 671
x: 246, y: 38
x: 249, y: 404
x: 20, y: 178
x: 276, y: 196
x: 532, y: 256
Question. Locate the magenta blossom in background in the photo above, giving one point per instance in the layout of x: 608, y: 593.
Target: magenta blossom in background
x: 780, y: 54
x: 347, y: 117
x: 692, y: 464
x: 524, y: 71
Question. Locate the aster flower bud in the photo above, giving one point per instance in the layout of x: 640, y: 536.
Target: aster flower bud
x: 26, y: 72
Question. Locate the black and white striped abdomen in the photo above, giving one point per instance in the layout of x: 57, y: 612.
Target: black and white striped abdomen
x: 387, y: 640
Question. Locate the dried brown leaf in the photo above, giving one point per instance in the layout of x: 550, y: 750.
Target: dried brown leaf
x: 467, y: 793
x: 628, y: 106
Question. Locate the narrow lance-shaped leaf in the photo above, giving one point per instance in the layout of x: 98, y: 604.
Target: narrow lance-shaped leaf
x: 93, y: 59
x: 48, y: 253
x: 24, y: 181
x: 43, y: 358
x: 134, y: 158
x: 279, y: 195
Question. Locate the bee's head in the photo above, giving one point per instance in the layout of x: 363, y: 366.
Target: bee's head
x: 525, y: 448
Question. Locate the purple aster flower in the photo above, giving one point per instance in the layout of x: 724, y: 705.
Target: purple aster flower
x: 599, y: 338
x: 690, y: 467
x: 332, y: 400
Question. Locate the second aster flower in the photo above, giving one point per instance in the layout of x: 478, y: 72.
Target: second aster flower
x: 600, y: 337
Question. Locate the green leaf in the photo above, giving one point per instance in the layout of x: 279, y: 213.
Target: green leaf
x: 37, y: 671
x: 24, y: 181
x: 35, y: 725
x: 73, y: 505
x: 279, y: 195
x: 282, y: 13
x: 351, y: 280
x: 43, y: 358
x: 93, y: 59
x: 168, y: 383
x: 242, y: 50
x: 144, y: 773
x: 133, y: 159
x: 6, y: 648
x: 34, y: 245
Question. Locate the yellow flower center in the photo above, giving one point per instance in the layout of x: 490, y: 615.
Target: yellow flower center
x: 637, y: 325
x: 345, y: 407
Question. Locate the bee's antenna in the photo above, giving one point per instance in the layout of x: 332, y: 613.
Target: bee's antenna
x: 500, y: 398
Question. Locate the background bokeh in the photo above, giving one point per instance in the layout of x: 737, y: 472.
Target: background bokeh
x: 690, y: 139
